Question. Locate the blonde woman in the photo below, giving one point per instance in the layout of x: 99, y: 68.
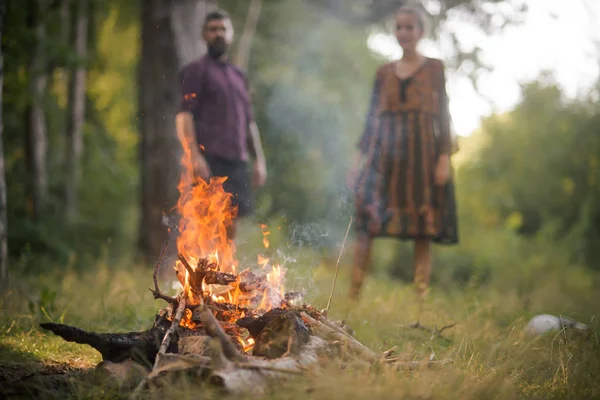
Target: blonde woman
x: 402, y: 175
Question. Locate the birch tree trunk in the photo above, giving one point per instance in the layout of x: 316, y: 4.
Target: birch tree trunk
x: 171, y: 38
x: 3, y: 213
x: 76, y: 110
x: 242, y: 55
x: 37, y: 135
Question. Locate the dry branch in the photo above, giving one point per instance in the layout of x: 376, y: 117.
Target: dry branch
x: 169, y: 335
x: 330, y: 332
x: 185, y: 263
x: 364, y: 349
x: 337, y: 266
x: 165, y: 343
x: 434, y: 332
x: 388, y: 353
x: 156, y: 292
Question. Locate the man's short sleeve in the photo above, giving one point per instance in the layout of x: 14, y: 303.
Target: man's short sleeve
x: 188, y: 84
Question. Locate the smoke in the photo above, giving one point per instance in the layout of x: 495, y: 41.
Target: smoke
x: 316, y: 89
x: 311, y: 93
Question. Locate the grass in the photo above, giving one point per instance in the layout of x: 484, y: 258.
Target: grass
x: 493, y: 358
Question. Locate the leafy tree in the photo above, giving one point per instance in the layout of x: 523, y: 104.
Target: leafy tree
x: 537, y: 170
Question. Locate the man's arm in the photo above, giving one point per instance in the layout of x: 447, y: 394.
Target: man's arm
x: 254, y: 143
x: 184, y: 124
x: 256, y: 151
x: 189, y: 83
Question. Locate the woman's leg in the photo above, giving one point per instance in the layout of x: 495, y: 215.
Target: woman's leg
x: 362, y: 259
x: 422, y: 269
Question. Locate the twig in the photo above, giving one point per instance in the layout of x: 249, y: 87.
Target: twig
x: 433, y: 331
x: 186, y: 264
x: 337, y: 265
x: 174, y: 325
x: 443, y: 328
x: 163, y: 346
x: 388, y: 353
x: 156, y: 291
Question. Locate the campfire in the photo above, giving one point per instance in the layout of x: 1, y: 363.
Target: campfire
x: 236, y: 328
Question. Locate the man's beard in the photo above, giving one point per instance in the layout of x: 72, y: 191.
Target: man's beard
x: 217, y: 48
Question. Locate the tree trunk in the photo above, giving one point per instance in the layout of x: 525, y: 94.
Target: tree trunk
x: 37, y: 135
x: 65, y: 20
x: 3, y: 213
x: 242, y: 55
x: 76, y: 110
x: 171, y: 37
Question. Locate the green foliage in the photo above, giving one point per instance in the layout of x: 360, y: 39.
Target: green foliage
x: 536, y: 172
x: 529, y: 176
x: 107, y: 193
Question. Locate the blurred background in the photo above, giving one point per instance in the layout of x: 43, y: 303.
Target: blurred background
x: 91, y: 159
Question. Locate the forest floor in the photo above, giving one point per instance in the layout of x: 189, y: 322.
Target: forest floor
x: 493, y: 357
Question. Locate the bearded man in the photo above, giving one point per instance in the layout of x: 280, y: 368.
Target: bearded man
x: 216, y: 119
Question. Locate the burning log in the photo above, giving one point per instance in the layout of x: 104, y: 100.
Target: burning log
x: 277, y: 333
x: 251, y: 282
x: 219, y: 278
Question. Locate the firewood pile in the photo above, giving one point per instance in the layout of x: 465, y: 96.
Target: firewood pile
x: 235, y: 331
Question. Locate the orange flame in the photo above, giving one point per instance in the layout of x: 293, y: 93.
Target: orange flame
x: 265, y: 233
x: 206, y: 215
x: 263, y: 261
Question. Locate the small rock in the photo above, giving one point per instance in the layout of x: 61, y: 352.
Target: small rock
x: 544, y: 323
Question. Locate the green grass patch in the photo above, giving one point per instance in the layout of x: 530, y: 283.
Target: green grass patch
x: 492, y: 356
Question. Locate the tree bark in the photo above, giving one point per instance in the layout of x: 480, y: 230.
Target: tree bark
x: 76, y: 110
x: 37, y: 135
x: 65, y: 17
x: 3, y: 213
x: 242, y: 55
x: 171, y: 37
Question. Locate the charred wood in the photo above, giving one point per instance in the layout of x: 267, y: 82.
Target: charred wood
x: 219, y: 278
x: 116, y: 347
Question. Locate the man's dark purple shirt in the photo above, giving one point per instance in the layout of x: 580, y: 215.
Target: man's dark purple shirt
x: 216, y: 94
